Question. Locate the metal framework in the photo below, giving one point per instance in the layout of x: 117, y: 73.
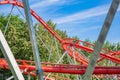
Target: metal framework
x: 39, y: 70
x: 10, y: 58
x: 68, y: 44
x: 101, y: 39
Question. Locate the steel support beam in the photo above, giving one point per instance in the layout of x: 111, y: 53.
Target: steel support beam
x: 39, y: 70
x: 101, y: 39
x: 10, y: 58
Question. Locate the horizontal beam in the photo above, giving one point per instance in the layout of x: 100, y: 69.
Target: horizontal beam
x: 62, y: 68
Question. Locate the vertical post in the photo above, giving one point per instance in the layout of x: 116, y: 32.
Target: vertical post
x: 10, y: 58
x: 101, y: 39
x: 39, y: 70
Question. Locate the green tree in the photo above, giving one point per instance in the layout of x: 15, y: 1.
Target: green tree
x: 17, y: 36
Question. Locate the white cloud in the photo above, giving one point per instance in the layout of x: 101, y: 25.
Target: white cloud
x: 46, y: 3
x: 93, y: 12
x: 89, y: 29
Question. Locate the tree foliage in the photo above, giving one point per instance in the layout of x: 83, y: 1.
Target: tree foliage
x: 18, y: 38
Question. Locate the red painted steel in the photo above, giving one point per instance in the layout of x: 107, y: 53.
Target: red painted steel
x: 90, y: 50
x: 68, y: 45
x: 60, y: 68
x: 17, y: 3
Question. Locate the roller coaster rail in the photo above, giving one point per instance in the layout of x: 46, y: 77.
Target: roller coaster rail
x: 30, y: 67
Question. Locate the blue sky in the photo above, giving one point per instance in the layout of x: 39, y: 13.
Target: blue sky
x: 81, y: 18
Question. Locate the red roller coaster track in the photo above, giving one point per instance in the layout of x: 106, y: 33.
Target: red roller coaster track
x: 67, y: 44
x: 60, y: 68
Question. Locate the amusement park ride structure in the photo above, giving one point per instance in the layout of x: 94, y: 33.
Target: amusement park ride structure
x: 29, y: 66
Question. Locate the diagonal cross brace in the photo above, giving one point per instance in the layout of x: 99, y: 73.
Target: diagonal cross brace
x: 101, y: 39
x: 10, y: 58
